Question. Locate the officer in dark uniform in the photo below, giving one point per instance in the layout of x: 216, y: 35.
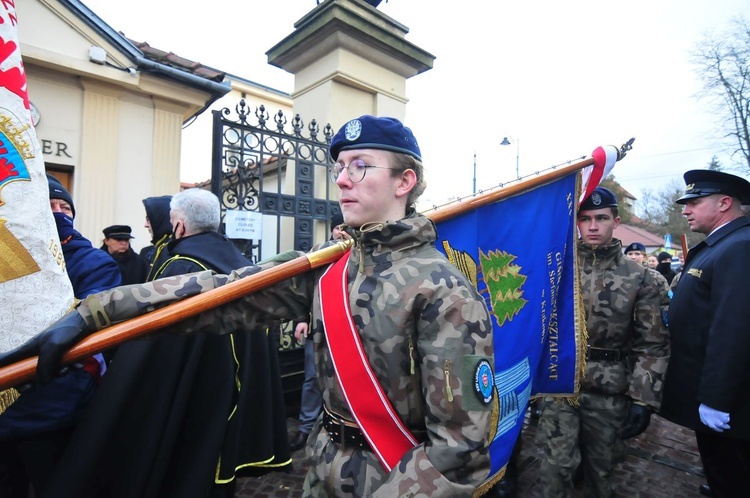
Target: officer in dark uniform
x: 133, y: 266
x: 707, y: 387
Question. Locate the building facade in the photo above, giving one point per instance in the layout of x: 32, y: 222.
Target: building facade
x: 108, y: 116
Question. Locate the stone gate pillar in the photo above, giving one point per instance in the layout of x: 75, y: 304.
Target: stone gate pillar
x: 349, y: 59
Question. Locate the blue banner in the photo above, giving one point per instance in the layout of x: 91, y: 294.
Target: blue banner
x: 520, y: 253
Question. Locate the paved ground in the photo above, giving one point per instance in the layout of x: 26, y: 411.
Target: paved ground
x: 663, y: 462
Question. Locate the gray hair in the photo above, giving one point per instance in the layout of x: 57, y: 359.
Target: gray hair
x: 199, y: 209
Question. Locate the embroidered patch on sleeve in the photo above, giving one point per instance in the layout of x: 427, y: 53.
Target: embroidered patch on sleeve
x: 479, y: 379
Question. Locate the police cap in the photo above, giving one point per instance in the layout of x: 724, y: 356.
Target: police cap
x: 337, y: 219
x: 703, y: 182
x: 599, y: 198
x: 119, y: 232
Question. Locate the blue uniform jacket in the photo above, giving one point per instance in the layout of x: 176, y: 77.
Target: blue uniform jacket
x: 709, y: 322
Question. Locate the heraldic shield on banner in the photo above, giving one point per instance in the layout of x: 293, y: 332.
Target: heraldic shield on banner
x: 34, y: 288
x: 520, y: 254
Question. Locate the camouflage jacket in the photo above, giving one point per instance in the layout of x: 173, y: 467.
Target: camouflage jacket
x: 665, y: 297
x: 663, y: 286
x: 622, y: 300
x: 420, y: 321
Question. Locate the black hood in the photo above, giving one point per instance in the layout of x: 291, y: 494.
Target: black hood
x: 664, y: 268
x: 157, y: 211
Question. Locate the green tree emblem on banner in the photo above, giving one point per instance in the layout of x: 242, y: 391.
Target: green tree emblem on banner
x: 504, y: 281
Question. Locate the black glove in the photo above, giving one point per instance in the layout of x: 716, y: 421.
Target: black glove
x: 50, y: 345
x: 639, y: 416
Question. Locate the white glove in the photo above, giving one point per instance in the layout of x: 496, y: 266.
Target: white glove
x: 713, y: 419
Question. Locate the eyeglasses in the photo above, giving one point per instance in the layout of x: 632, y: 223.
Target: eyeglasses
x: 355, y: 169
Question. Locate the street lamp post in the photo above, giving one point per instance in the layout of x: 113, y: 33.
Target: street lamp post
x: 475, y: 173
x: 518, y: 150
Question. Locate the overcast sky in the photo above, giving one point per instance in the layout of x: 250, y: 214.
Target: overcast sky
x: 561, y: 78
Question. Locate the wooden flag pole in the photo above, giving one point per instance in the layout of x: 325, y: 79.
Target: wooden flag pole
x: 25, y: 370
x: 683, y: 241
x: 466, y: 205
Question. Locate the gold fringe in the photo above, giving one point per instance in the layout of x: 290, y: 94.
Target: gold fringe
x: 582, y: 339
x: 7, y: 398
x: 582, y: 335
x: 487, y: 485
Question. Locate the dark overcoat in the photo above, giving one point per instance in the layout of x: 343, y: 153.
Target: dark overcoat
x: 176, y: 414
x: 709, y: 322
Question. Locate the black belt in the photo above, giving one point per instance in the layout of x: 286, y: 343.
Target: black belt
x: 602, y: 354
x: 344, y: 433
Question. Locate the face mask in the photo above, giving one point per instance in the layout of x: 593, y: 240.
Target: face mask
x: 64, y: 225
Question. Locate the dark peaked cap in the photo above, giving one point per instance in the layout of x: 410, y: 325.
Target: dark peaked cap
x: 119, y: 232
x: 703, y: 182
x: 336, y: 219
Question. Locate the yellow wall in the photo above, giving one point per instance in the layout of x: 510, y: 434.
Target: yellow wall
x: 120, y: 135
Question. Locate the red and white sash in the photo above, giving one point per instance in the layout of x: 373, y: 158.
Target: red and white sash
x: 382, y: 427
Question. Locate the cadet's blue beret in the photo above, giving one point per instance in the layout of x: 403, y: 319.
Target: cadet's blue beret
x: 703, y: 182
x: 635, y: 246
x: 599, y: 198
x: 370, y: 132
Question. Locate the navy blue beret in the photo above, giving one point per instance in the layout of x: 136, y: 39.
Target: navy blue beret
x: 370, y: 132
x: 599, y: 198
x: 703, y: 182
x: 635, y: 246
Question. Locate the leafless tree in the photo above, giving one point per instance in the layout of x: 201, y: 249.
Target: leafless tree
x: 722, y: 62
x: 659, y: 211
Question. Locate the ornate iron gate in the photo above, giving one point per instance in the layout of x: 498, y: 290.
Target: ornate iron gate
x: 283, y: 177
x: 278, y: 174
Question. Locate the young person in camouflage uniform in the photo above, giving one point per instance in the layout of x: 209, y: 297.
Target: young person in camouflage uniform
x: 423, y: 327
x: 637, y: 252
x: 627, y: 356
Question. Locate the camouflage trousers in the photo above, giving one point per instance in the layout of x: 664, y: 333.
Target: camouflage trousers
x: 336, y: 471
x: 587, y: 433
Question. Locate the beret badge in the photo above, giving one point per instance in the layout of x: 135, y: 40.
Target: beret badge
x: 353, y: 130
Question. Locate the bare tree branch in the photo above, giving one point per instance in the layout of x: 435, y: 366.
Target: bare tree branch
x: 722, y: 62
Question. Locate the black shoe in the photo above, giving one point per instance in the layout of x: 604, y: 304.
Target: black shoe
x: 507, y: 487
x: 705, y: 489
x: 535, y: 408
x: 578, y: 475
x: 298, y: 441
x: 504, y: 488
